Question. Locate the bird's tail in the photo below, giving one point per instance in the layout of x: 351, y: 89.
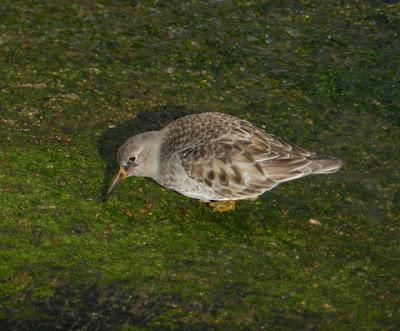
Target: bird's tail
x: 326, y: 166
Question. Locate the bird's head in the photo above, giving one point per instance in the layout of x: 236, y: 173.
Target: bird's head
x: 138, y: 156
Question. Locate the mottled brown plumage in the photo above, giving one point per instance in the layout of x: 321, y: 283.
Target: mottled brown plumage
x: 215, y: 156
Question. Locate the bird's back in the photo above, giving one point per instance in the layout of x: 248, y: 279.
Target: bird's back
x: 227, y: 158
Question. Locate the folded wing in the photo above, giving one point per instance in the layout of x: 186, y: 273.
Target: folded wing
x: 246, y: 161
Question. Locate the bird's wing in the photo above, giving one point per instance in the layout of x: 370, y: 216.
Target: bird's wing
x: 244, y: 162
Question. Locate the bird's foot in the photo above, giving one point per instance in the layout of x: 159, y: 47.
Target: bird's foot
x: 221, y: 206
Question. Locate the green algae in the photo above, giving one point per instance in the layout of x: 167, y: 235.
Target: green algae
x: 78, y: 78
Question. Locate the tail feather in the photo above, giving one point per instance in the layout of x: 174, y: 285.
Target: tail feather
x: 326, y: 166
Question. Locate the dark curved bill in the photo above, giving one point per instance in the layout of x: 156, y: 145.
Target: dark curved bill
x: 118, y: 179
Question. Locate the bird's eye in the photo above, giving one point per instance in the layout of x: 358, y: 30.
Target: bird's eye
x: 132, y: 158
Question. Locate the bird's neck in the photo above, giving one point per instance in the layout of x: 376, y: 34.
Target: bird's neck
x: 153, y: 146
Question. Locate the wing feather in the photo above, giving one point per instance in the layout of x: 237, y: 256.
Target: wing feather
x: 244, y: 162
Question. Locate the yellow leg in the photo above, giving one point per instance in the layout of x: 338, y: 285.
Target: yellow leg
x: 221, y: 206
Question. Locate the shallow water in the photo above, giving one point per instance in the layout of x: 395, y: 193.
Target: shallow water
x: 78, y: 78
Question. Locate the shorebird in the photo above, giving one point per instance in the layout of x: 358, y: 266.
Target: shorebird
x: 217, y: 158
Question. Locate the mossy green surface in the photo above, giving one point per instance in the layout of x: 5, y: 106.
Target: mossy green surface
x: 77, y: 78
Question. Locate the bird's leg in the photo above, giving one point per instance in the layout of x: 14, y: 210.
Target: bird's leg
x: 221, y: 206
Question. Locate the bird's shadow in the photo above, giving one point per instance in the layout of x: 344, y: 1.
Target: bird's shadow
x: 113, y: 138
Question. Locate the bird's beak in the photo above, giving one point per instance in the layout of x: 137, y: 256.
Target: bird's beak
x: 122, y: 174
